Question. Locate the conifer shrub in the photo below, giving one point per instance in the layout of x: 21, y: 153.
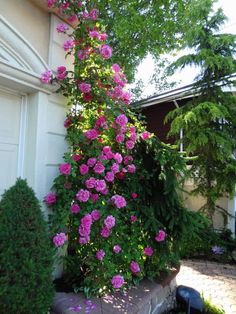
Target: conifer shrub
x: 25, y: 253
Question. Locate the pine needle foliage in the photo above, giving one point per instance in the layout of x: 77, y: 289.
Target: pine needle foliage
x: 25, y: 253
x: 209, y: 120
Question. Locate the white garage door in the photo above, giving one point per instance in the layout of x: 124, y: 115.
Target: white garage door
x: 10, y: 114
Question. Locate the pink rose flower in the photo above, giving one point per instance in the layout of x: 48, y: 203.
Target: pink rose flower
x: 134, y: 195
x: 129, y: 144
x: 94, y: 197
x: 62, y: 28
x: 118, y: 201
x: 85, y: 226
x: 106, y: 51
x: 100, y: 185
x: 145, y: 135
x: 75, y: 209
x: 83, y: 195
x: 76, y: 157
x: 126, y: 97
x: 131, y: 168
x: 46, y: 77
x: 148, y: 251
x: 116, y: 68
x: 109, y: 177
x: 61, y: 73
x: 91, y: 134
x: 105, y: 233
x: 59, y: 239
x: 67, y: 122
x: 161, y: 235
x: 133, y: 218
x: 103, y: 36
x: 100, y: 255
x: 83, y: 169
x: 94, y: 34
x: 51, y: 3
x: 65, y: 169
x: 68, y: 44
x: 134, y: 267
x: 95, y: 215
x: 117, y: 92
x: 91, y: 162
x: 50, y: 199
x: 99, y: 168
x: 122, y: 120
x: 90, y: 183
x: 117, y: 281
x: 133, y: 137
x: 84, y: 88
x: 120, y: 138
x: 93, y: 14
x: 84, y: 240
x: 116, y: 249
x: 128, y: 159
x: 72, y: 18
x: 110, y: 222
x: 101, y: 123
x: 115, y: 168
x: 118, y: 158
x: 82, y: 55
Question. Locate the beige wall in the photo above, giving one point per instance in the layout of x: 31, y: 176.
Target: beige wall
x: 30, y: 21
x: 196, y: 202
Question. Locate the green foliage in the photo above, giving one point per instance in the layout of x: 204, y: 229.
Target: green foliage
x: 211, y: 308
x: 137, y: 28
x: 25, y: 253
x: 209, y: 120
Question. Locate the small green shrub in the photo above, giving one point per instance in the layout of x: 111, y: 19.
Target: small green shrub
x: 25, y: 253
x: 212, y: 309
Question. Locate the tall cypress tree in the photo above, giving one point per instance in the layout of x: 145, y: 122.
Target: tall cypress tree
x: 209, y: 120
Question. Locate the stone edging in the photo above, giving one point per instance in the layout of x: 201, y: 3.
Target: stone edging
x: 147, y: 298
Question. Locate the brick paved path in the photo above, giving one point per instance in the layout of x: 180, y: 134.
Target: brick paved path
x: 216, y: 281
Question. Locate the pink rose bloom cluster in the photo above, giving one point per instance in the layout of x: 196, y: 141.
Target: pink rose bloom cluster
x: 122, y: 120
x: 85, y: 229
x: 100, y: 255
x: 118, y: 201
x: 61, y: 73
x: 106, y: 51
x: 65, y: 169
x: 59, y: 239
x: 133, y: 218
x: 62, y: 28
x: 50, y: 199
x: 83, y: 195
x: 96, y: 35
x: 117, y: 281
x: 148, y: 251
x: 161, y: 235
x: 134, y: 267
x: 68, y: 44
x: 46, y: 77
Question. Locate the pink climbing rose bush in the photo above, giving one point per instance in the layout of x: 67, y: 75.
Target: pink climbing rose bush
x: 95, y: 201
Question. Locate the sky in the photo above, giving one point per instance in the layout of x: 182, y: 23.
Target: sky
x: 187, y: 75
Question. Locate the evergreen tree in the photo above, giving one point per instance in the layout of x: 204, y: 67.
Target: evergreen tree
x: 209, y: 120
x: 25, y: 254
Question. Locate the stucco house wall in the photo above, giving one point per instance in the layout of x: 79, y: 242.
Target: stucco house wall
x: 31, y: 114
